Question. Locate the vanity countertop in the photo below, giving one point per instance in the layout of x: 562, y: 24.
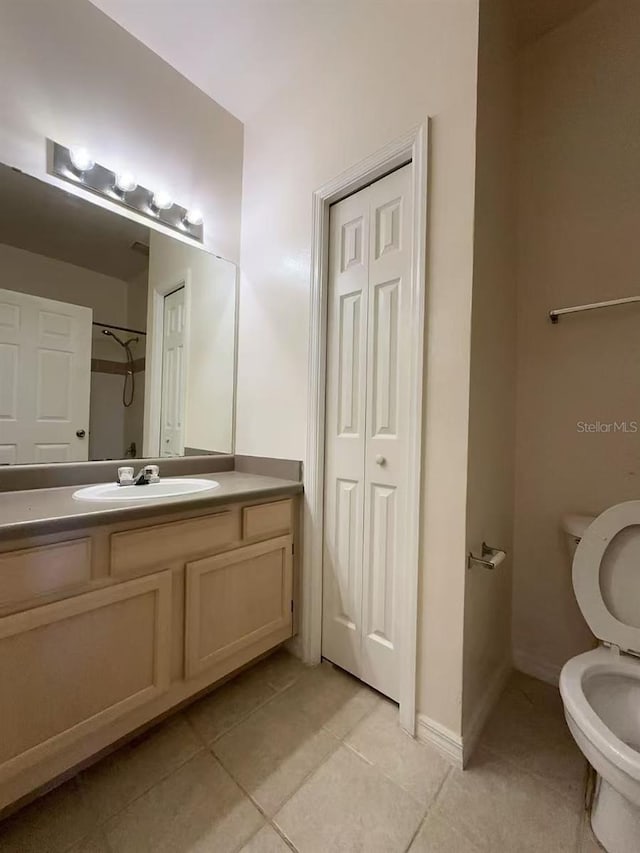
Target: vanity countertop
x: 36, y: 511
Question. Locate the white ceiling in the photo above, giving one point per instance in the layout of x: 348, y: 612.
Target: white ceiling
x: 44, y: 219
x: 242, y: 53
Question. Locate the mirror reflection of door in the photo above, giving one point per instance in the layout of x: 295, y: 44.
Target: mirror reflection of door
x: 45, y: 369
x: 173, y: 375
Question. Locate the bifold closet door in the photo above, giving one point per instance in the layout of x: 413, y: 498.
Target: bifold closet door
x: 366, y: 428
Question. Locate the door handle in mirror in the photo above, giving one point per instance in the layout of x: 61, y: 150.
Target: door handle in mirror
x: 80, y: 433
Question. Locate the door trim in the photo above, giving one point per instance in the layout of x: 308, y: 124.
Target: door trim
x: 410, y: 148
x: 153, y: 356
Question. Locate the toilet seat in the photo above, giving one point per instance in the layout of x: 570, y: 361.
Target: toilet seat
x: 586, y: 576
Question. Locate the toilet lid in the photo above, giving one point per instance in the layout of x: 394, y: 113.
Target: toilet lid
x: 594, y: 582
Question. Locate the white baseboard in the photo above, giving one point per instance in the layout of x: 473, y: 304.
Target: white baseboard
x: 440, y: 737
x: 294, y: 647
x: 544, y: 670
x: 458, y: 748
x: 492, y: 693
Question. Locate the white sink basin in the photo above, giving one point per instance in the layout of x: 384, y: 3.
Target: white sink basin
x: 168, y: 487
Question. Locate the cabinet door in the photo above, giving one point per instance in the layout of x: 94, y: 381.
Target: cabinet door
x: 236, y: 599
x: 71, y: 667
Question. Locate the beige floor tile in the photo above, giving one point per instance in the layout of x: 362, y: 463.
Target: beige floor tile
x: 117, y: 780
x: 332, y: 698
x: 281, y: 669
x: 198, y: 809
x: 51, y: 824
x: 523, y: 691
x: 349, y: 805
x: 415, y: 767
x: 94, y: 843
x: 273, y: 751
x: 499, y: 807
x: 266, y: 841
x: 588, y: 841
x: 215, y: 714
x: 528, y: 728
x: 437, y: 836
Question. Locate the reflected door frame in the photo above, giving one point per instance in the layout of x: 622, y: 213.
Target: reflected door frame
x: 174, y: 368
x: 410, y: 148
x: 153, y: 363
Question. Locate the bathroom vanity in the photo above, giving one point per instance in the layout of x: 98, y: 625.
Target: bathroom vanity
x: 112, y: 616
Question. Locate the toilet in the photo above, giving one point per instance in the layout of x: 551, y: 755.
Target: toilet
x: 601, y: 688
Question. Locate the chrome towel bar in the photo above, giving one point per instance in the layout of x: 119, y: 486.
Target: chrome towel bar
x: 555, y: 315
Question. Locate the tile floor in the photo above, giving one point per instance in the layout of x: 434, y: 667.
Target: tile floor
x: 287, y: 758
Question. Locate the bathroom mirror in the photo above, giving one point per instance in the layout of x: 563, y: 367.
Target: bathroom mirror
x: 116, y: 340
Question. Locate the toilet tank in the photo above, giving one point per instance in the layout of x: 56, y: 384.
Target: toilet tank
x: 574, y: 527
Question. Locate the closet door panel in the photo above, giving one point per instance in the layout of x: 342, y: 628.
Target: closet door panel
x: 345, y: 431
x: 386, y: 425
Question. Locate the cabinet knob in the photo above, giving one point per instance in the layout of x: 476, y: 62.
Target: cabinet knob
x: 380, y: 460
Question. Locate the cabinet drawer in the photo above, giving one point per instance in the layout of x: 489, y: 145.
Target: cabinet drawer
x: 39, y: 571
x: 265, y: 520
x: 157, y: 547
x: 236, y: 599
x: 71, y: 667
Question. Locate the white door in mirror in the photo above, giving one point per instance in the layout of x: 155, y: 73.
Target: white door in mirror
x: 173, y: 374
x: 45, y: 374
x: 170, y: 487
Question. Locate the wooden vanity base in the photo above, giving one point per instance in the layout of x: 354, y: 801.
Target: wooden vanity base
x: 104, y: 629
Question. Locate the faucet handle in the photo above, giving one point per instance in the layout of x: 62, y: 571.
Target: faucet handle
x: 125, y: 475
x: 153, y: 473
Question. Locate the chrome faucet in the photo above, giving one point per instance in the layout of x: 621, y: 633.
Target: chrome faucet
x: 147, y: 474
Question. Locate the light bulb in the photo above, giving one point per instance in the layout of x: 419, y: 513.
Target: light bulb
x: 194, y: 216
x: 81, y: 159
x: 125, y: 182
x: 162, y: 201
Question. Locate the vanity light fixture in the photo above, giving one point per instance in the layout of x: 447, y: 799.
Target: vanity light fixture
x: 193, y: 217
x: 125, y: 182
x: 77, y: 166
x: 161, y: 201
x: 81, y: 160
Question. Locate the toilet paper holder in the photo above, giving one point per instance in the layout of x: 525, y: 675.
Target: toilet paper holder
x: 491, y: 557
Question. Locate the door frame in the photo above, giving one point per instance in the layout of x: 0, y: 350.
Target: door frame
x: 153, y: 356
x: 411, y: 148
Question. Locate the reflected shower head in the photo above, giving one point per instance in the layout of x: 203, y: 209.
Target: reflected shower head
x: 113, y: 335
x: 129, y: 387
x: 122, y: 343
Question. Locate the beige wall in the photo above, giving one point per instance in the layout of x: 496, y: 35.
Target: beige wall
x: 579, y: 215
x: 38, y: 275
x: 487, y: 624
x: 71, y: 74
x: 389, y: 69
x: 137, y: 300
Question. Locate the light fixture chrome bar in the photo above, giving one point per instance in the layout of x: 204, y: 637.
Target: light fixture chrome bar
x: 555, y: 315
x: 102, y: 181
